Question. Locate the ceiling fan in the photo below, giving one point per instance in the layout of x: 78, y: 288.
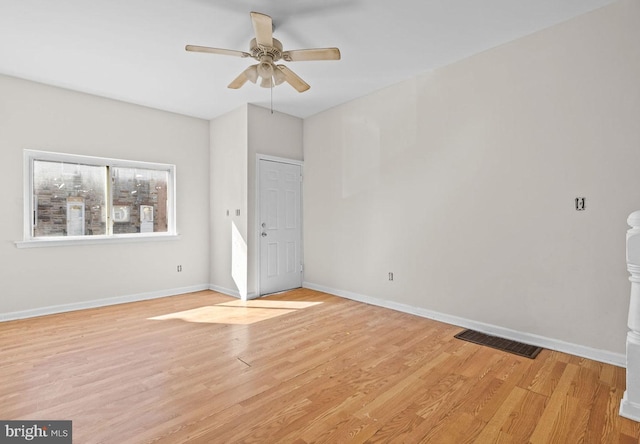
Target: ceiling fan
x: 267, y: 50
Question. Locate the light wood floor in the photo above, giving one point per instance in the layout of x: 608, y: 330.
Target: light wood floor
x: 336, y: 372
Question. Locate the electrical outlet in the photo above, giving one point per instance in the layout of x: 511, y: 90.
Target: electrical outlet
x: 179, y: 268
x: 580, y: 201
x: 390, y: 276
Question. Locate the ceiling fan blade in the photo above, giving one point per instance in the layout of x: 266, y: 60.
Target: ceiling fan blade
x: 279, y: 77
x: 251, y: 74
x: 292, y: 79
x: 263, y: 27
x: 238, y: 81
x: 303, y: 55
x: 229, y: 52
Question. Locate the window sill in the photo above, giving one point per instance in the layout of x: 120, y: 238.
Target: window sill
x: 96, y: 240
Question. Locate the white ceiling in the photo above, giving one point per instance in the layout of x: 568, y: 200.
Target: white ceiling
x: 133, y: 50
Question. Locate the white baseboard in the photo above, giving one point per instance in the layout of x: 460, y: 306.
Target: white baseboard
x: 617, y: 359
x: 230, y: 292
x: 223, y: 290
x: 629, y: 409
x: 53, y: 309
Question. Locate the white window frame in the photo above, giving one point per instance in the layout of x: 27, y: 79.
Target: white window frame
x: 29, y: 205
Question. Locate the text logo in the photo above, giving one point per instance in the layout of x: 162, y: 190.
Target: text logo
x: 39, y: 432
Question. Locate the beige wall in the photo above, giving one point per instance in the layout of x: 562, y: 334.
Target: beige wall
x: 462, y: 182
x: 228, y: 140
x: 35, y: 116
x: 236, y: 139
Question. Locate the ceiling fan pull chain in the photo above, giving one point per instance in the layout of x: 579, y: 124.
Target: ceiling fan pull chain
x: 271, y: 97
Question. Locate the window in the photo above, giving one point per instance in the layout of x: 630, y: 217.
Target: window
x: 75, y: 198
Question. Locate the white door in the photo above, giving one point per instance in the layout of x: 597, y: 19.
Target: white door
x: 280, y: 231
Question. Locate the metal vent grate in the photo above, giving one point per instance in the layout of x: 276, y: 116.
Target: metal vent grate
x: 507, y: 345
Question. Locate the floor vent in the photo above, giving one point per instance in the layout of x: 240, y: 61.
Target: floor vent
x: 507, y: 345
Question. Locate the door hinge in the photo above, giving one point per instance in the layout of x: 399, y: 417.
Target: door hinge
x: 301, y: 267
x: 301, y: 178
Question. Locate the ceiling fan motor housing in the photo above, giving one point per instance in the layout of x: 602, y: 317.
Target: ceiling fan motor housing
x: 258, y: 51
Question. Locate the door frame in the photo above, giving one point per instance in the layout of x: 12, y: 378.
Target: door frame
x: 256, y: 230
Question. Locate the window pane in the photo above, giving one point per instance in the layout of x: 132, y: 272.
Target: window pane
x: 69, y: 199
x: 139, y: 200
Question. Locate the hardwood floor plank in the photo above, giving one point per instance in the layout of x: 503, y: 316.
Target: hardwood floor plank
x: 332, y: 371
x: 548, y: 378
x: 600, y: 427
x: 506, y: 382
x: 507, y: 408
x: 519, y: 424
x: 549, y: 422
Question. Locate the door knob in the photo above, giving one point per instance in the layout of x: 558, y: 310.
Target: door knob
x: 264, y: 234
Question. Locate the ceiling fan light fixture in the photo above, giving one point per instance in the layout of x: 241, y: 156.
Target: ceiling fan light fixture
x: 265, y: 70
x: 267, y: 82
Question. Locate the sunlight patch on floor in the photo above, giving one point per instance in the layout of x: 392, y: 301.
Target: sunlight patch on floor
x: 237, y: 312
